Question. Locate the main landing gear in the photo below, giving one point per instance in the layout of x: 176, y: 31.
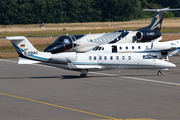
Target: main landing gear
x: 159, y: 73
x: 83, y: 73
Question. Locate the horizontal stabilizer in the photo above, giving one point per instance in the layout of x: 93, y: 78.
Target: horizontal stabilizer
x: 16, y: 38
x: 26, y: 61
x: 156, y: 22
x: 160, y: 10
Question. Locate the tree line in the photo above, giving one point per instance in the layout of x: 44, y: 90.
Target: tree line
x: 67, y: 11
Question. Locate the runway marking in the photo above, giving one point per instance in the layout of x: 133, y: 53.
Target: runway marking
x: 54, y: 105
x: 139, y: 79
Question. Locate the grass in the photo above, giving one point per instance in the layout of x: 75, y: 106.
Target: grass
x: 169, y: 25
x: 8, y: 51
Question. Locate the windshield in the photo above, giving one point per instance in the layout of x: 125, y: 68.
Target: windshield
x: 149, y: 56
x: 63, y: 39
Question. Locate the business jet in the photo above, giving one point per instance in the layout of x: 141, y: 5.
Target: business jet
x: 85, y: 62
x: 83, y: 43
x: 160, y: 50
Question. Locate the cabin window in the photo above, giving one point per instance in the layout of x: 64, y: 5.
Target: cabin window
x: 100, y: 58
x: 90, y: 57
x: 117, y: 57
x: 139, y: 47
x: 111, y: 57
x: 105, y: 58
x: 94, y: 57
x: 103, y: 48
x: 129, y: 57
x: 126, y: 47
x: 123, y: 57
x: 120, y: 48
x: 132, y: 47
x: 90, y: 40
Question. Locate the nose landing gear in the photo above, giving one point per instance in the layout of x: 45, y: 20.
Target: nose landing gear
x: 159, y: 73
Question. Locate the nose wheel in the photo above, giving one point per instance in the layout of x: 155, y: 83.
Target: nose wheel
x: 83, y: 73
x: 159, y: 73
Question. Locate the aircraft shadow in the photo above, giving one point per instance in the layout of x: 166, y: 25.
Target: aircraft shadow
x: 79, y: 77
x: 73, y: 77
x: 51, y: 77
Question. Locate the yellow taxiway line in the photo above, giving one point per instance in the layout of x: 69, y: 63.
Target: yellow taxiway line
x: 54, y: 105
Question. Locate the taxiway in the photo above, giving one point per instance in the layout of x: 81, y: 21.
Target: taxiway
x: 44, y: 93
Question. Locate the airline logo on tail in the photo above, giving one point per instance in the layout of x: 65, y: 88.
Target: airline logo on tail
x: 22, y: 46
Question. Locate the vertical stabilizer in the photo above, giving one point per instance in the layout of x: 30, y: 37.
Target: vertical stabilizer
x: 22, y: 45
x: 156, y: 22
x: 28, y: 54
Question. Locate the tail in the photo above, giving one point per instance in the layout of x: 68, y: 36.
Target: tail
x: 157, y: 19
x: 27, y: 52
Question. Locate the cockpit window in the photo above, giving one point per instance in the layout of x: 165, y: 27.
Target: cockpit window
x: 96, y: 48
x: 60, y: 40
x: 99, y: 48
x: 63, y: 40
x: 149, y: 56
x: 66, y: 41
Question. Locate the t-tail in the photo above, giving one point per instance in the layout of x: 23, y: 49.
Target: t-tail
x: 28, y: 54
x: 156, y: 22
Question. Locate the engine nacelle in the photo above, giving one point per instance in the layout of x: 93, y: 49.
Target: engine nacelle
x: 162, y: 46
x: 146, y: 36
x: 63, y: 57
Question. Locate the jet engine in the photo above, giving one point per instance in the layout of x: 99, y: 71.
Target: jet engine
x: 146, y: 36
x: 163, y: 46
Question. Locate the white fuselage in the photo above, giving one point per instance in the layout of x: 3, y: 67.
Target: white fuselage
x: 156, y: 48
x: 104, y: 61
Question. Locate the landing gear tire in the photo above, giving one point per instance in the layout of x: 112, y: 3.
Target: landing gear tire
x: 83, y: 75
x: 159, y: 73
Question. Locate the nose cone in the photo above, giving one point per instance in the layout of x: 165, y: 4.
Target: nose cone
x: 165, y: 64
x: 56, y: 48
x: 170, y: 65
